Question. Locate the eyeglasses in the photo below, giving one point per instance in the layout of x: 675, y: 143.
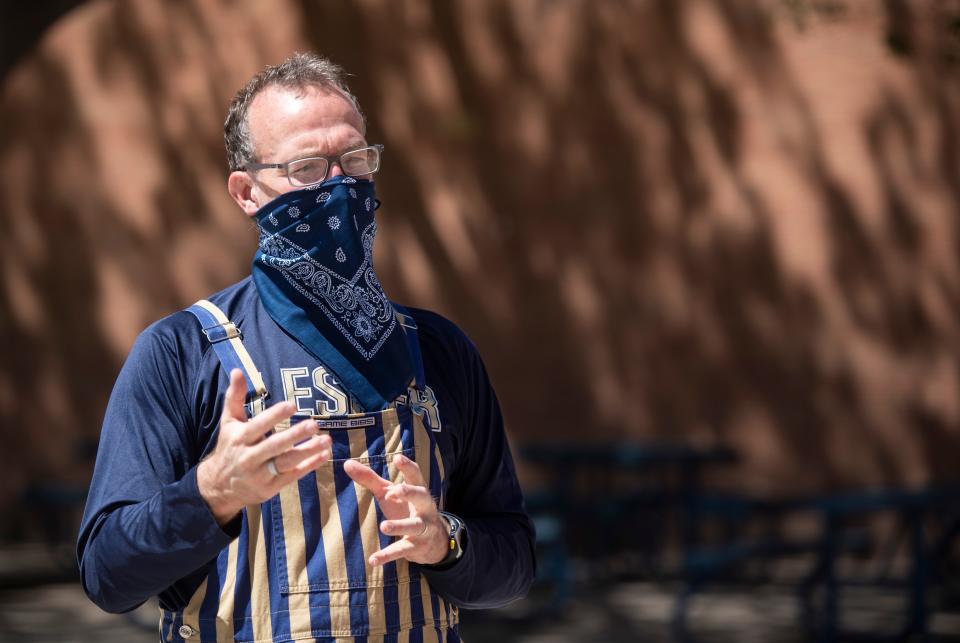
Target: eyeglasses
x: 309, y: 171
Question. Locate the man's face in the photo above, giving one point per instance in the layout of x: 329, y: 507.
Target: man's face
x: 289, y: 124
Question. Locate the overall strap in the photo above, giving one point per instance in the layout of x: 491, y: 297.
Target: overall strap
x: 413, y: 343
x: 225, y: 337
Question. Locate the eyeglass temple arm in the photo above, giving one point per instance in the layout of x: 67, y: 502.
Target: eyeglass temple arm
x: 264, y: 166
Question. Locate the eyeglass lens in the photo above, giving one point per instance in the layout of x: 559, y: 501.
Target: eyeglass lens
x: 314, y: 170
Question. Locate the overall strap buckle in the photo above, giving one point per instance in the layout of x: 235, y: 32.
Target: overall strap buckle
x: 405, y: 320
x: 222, y: 332
x: 257, y: 405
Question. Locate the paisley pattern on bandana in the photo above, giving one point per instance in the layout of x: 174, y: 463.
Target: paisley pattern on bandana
x: 356, y: 304
x: 314, y: 272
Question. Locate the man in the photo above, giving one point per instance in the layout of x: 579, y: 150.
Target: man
x: 274, y: 460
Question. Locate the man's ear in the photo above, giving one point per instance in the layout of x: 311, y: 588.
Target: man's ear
x: 240, y: 187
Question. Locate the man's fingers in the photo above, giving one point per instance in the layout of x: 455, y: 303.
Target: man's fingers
x: 303, y: 468
x: 413, y: 527
x: 291, y: 458
x: 399, y: 549
x: 409, y: 469
x: 282, y: 441
x: 418, y: 496
x: 256, y: 427
x: 366, y: 477
x: 235, y: 397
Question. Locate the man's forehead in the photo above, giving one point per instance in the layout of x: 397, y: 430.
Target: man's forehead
x: 310, y: 102
x: 276, y: 111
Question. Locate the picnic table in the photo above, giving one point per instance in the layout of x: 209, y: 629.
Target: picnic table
x: 626, y: 495
x: 598, y: 490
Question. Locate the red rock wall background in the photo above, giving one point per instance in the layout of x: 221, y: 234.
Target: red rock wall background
x: 693, y: 220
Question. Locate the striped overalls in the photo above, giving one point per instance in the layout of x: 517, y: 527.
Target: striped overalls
x: 299, y: 570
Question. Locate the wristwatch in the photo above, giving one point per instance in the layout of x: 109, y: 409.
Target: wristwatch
x: 458, y: 538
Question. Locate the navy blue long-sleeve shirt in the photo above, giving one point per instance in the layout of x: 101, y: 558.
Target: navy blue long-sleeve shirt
x: 146, y: 531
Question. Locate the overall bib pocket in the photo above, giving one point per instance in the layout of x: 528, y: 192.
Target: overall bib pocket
x: 326, y: 527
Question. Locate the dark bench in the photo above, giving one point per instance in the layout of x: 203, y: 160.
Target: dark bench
x: 835, y: 537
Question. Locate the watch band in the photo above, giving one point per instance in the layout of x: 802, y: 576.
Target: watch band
x: 456, y: 545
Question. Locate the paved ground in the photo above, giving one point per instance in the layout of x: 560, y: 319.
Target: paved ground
x: 60, y: 612
x: 38, y: 602
x: 624, y: 612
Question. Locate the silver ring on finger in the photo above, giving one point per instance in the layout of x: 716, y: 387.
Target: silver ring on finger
x: 272, y: 467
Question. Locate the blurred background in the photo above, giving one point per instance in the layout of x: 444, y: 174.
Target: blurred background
x: 709, y: 250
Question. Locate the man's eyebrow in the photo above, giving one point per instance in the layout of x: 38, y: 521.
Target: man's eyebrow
x: 313, y: 152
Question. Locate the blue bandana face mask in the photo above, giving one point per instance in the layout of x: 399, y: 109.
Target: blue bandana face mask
x: 314, y: 272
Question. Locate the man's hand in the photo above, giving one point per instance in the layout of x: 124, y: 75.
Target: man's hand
x: 237, y: 474
x: 410, y: 510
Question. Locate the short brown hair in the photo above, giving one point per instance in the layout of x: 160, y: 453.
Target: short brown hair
x: 297, y: 71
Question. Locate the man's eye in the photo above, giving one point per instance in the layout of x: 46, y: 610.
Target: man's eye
x: 311, y: 168
x: 355, y: 164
